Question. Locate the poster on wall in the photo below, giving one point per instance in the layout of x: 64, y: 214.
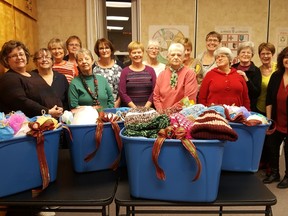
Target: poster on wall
x: 282, y: 39
x: 166, y: 35
x: 232, y: 36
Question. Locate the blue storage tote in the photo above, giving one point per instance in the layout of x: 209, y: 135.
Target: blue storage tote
x: 19, y: 166
x: 244, y: 154
x: 83, y: 143
x: 179, y: 167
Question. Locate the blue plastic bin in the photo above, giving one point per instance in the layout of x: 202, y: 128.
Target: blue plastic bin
x: 19, y: 166
x: 179, y: 167
x: 244, y: 154
x: 83, y: 143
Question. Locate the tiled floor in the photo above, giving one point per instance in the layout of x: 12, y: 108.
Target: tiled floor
x: 280, y: 209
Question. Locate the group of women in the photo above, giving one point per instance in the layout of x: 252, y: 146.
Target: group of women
x: 58, y: 84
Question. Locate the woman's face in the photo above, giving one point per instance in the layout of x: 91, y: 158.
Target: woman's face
x: 104, y: 51
x: 73, y: 46
x: 44, y: 61
x: 85, y: 63
x: 57, y: 52
x: 285, y: 61
x: 266, y: 56
x: 212, y: 43
x: 222, y: 61
x: 175, y: 58
x: 136, y: 55
x: 17, y: 59
x: 153, y: 52
x: 188, y: 50
x: 245, y: 55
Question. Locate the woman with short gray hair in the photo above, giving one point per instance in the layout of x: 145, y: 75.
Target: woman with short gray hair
x: 223, y: 85
x: 175, y: 82
x: 249, y: 71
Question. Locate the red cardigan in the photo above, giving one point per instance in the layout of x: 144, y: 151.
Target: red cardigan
x: 220, y: 88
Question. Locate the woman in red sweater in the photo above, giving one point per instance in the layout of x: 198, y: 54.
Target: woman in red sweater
x: 223, y: 85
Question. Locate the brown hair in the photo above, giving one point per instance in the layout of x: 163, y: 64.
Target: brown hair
x: 7, y: 49
x: 73, y: 37
x: 214, y: 34
x: 268, y: 46
x: 41, y: 51
x: 186, y: 42
x: 280, y: 58
x: 106, y: 42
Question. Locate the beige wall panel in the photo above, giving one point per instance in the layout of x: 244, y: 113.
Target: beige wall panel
x: 61, y: 19
x: 7, y: 30
x: 166, y: 12
x: 278, y: 20
x: 28, y: 7
x: 9, y: 1
x: 251, y: 14
x: 26, y: 31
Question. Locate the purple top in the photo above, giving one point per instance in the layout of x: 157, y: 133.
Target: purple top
x: 137, y: 86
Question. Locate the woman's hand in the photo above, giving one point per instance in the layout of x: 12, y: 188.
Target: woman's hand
x: 56, y: 111
x: 242, y: 73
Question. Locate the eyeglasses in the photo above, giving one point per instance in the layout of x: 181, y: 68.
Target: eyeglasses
x: 212, y: 40
x: 19, y: 55
x: 221, y: 56
x: 75, y: 45
x: 153, y: 48
x: 44, y: 57
x: 245, y: 53
x: 104, y: 48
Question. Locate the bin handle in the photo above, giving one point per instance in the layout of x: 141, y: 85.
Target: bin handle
x: 178, y: 133
x: 37, y: 131
x: 104, y: 117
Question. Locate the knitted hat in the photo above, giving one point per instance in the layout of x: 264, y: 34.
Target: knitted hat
x: 211, y: 125
x: 140, y: 115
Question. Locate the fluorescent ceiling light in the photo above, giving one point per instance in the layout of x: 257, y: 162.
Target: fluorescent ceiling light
x: 115, y: 27
x: 118, y: 18
x: 118, y: 4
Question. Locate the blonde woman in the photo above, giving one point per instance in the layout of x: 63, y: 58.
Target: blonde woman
x: 137, y: 81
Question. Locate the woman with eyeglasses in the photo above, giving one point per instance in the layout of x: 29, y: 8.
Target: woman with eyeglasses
x: 223, y: 85
x: 153, y: 49
x: 108, y: 66
x: 43, y: 61
x: 21, y: 90
x: 73, y: 44
x: 207, y: 59
x: 250, y: 72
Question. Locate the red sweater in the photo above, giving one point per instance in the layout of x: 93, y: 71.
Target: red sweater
x: 220, y: 88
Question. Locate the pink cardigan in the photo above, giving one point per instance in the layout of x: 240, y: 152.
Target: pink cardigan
x: 164, y: 96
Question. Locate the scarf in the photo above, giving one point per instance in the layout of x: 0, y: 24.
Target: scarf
x: 174, y: 76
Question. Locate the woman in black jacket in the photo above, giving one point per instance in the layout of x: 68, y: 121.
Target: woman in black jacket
x: 276, y: 109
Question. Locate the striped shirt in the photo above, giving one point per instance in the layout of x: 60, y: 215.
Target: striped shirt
x: 68, y: 69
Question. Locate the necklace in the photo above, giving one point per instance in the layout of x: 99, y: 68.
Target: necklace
x: 94, y: 94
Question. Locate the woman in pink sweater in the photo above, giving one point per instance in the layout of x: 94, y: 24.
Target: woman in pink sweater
x: 175, y: 82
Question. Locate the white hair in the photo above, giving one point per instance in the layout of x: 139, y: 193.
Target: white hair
x: 176, y: 47
x: 246, y: 44
x: 153, y: 42
x: 224, y: 50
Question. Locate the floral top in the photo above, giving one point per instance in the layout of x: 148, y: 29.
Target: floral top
x: 112, y: 75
